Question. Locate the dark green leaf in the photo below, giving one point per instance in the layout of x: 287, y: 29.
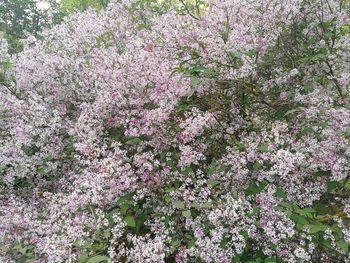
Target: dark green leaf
x: 323, y: 173
x: 280, y: 192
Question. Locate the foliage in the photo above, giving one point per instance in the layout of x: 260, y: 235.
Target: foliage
x: 68, y: 6
x: 19, y: 18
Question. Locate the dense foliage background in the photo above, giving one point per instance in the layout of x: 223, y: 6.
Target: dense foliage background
x: 175, y: 131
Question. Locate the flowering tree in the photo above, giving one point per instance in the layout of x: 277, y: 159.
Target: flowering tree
x: 203, y: 132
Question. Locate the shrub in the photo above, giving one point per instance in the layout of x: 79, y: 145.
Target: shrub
x: 216, y: 132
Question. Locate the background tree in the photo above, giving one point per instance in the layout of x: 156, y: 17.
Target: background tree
x: 68, y: 6
x: 18, y: 18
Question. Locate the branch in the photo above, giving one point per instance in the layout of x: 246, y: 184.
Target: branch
x: 188, y: 11
x: 7, y: 86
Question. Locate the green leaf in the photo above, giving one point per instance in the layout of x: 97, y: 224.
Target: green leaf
x: 263, y: 148
x: 291, y: 112
x: 194, y: 205
x: 224, y: 242
x: 177, y: 184
x: 343, y: 246
x: 245, y: 235
x: 106, y: 234
x: 130, y: 221
x: 317, y: 228
x: 134, y: 141
x: 97, y: 259
x: 222, y: 168
x: 254, y: 188
x: 300, y: 221
x: 257, y: 165
x: 186, y: 213
x: 191, y: 243
x: 87, y: 245
x: 337, y: 232
x: 323, y: 173
x: 347, y: 185
x: 236, y: 259
x: 190, y: 93
x: 207, y: 205
x: 326, y: 243
x: 179, y: 204
x: 126, y: 199
x: 304, y: 131
x: 41, y: 170
x: 213, y: 182
x: 280, y: 193
x: 83, y: 258
x: 170, y: 189
x: 306, y: 89
x: 168, y: 198
x: 240, y: 146
x: 308, y: 212
x: 212, y: 168
x: 321, y: 209
x: 194, y: 81
x: 323, y: 124
x: 21, y: 249
x: 186, y: 171
x: 331, y: 185
x: 124, y: 208
x: 69, y: 149
x: 313, y: 58
x: 311, y: 41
